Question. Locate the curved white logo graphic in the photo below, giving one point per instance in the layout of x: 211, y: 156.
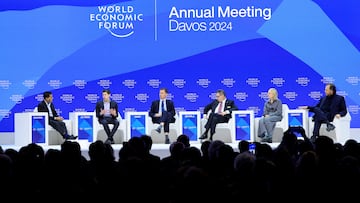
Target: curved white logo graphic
x: 119, y: 20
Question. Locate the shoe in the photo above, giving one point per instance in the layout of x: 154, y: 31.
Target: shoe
x: 109, y: 141
x: 158, y: 129
x: 203, y: 136
x: 167, y: 141
x: 261, y: 136
x: 330, y: 127
x: 71, y: 137
x: 267, y: 139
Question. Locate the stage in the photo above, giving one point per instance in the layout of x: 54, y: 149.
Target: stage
x: 161, y: 150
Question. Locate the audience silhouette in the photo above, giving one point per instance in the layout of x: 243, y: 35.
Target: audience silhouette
x: 216, y: 170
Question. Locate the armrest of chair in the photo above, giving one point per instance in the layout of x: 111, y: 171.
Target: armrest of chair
x: 344, y: 119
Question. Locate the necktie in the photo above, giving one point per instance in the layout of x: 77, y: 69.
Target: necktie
x: 162, y: 106
x: 220, y: 108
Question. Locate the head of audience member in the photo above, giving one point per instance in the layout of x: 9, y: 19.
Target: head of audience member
x: 205, y: 148
x: 243, y: 146
x: 13, y: 154
x: 71, y: 153
x: 225, y: 156
x: 264, y: 150
x: 106, y: 95
x: 214, y: 149
x: 272, y: 94
x: 244, y: 164
x: 163, y: 92
x: 109, y: 152
x: 352, y: 147
x: 290, y: 142
x: 184, y: 139
x: 97, y: 151
x: 330, y: 89
x: 137, y: 147
x: 176, y: 149
x: 124, y: 152
x: 32, y: 153
x: 191, y: 155
x: 147, y: 141
x: 324, y: 147
x: 48, y: 97
x: 52, y: 159
x: 220, y: 95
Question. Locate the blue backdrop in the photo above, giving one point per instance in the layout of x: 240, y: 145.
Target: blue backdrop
x: 77, y: 48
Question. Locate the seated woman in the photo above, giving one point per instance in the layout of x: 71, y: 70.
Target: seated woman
x: 272, y: 113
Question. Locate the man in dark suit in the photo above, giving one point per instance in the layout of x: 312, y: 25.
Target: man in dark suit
x: 55, y: 120
x: 218, y: 111
x: 162, y: 111
x: 329, y: 107
x: 107, y: 113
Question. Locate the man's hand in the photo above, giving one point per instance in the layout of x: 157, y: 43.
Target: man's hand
x: 337, y: 115
x: 59, y: 118
x: 102, y: 111
x: 222, y: 113
x: 158, y: 115
x: 113, y: 112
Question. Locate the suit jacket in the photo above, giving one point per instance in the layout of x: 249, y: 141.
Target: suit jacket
x: 229, y: 106
x: 100, y: 105
x: 154, y: 109
x: 337, y: 106
x: 42, y: 107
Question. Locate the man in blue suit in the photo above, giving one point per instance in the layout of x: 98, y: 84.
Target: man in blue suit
x: 107, y: 113
x: 218, y: 111
x: 162, y: 111
x: 329, y: 107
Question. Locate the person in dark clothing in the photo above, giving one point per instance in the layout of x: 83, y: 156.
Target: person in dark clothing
x: 329, y: 107
x: 218, y: 111
x: 55, y: 121
x: 162, y: 112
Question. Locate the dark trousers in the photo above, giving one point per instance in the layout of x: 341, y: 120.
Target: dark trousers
x: 109, y: 120
x: 319, y: 117
x: 166, y: 118
x: 58, y: 126
x: 214, y: 119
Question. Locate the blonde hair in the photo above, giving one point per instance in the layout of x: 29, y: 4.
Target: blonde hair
x: 275, y: 92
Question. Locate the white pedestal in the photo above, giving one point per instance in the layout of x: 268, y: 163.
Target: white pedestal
x: 190, y: 124
x: 31, y: 127
x: 83, y: 125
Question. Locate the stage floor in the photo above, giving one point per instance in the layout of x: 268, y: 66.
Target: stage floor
x: 161, y: 150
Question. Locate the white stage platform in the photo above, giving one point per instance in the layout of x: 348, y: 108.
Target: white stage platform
x: 161, y: 150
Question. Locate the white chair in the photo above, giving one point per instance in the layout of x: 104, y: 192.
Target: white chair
x: 223, y: 131
x: 119, y: 136
x: 55, y: 138
x: 159, y: 138
x: 280, y: 127
x: 340, y: 134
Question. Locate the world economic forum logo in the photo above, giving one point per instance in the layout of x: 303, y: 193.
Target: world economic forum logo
x: 119, y: 20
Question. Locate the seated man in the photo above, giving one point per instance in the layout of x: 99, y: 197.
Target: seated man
x: 219, y: 112
x: 107, y: 113
x: 162, y: 111
x: 329, y: 107
x: 55, y: 120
